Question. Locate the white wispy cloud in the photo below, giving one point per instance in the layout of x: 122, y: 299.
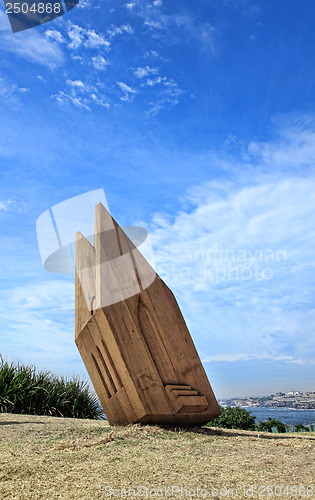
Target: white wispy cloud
x: 151, y: 23
x: 182, y: 25
x: 99, y: 62
x: 79, y: 37
x: 241, y: 259
x: 293, y: 149
x: 82, y: 95
x: 84, y: 4
x: 13, y: 204
x: 30, y: 45
x: 145, y: 71
x: 88, y: 38
x: 81, y: 41
x: 92, y: 51
x: 128, y: 92
x: 119, y: 30
x: 55, y: 36
x: 177, y: 25
x: 151, y: 54
x: 42, y: 313
x: 204, y: 33
x: 9, y: 91
x: 5, y: 205
x: 168, y: 95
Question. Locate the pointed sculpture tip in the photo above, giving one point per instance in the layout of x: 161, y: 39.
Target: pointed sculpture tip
x: 101, y: 209
x: 81, y: 239
x: 103, y: 219
x: 100, y: 206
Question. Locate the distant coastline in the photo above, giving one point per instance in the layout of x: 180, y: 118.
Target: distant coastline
x: 293, y: 400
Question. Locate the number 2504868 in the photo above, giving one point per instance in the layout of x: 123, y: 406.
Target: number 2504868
x: 291, y: 491
x: 35, y: 8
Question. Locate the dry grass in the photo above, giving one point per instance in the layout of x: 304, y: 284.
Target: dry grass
x: 47, y: 457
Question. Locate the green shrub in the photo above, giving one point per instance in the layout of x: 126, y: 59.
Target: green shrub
x: 300, y: 427
x: 271, y: 422
x: 234, y: 418
x: 24, y: 390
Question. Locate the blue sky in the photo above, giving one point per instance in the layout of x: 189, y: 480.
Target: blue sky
x: 198, y: 121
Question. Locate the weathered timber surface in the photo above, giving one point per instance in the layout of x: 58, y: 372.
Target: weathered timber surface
x: 132, y: 336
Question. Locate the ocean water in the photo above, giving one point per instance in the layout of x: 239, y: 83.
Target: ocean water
x: 288, y: 416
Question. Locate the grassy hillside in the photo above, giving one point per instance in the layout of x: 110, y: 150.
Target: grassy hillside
x: 45, y: 457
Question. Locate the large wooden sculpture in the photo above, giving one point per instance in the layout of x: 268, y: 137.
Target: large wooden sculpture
x: 132, y: 336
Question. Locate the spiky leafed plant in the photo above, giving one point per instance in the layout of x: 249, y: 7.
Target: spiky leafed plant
x: 25, y: 390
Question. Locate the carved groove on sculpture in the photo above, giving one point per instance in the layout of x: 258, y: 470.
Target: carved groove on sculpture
x: 132, y: 336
